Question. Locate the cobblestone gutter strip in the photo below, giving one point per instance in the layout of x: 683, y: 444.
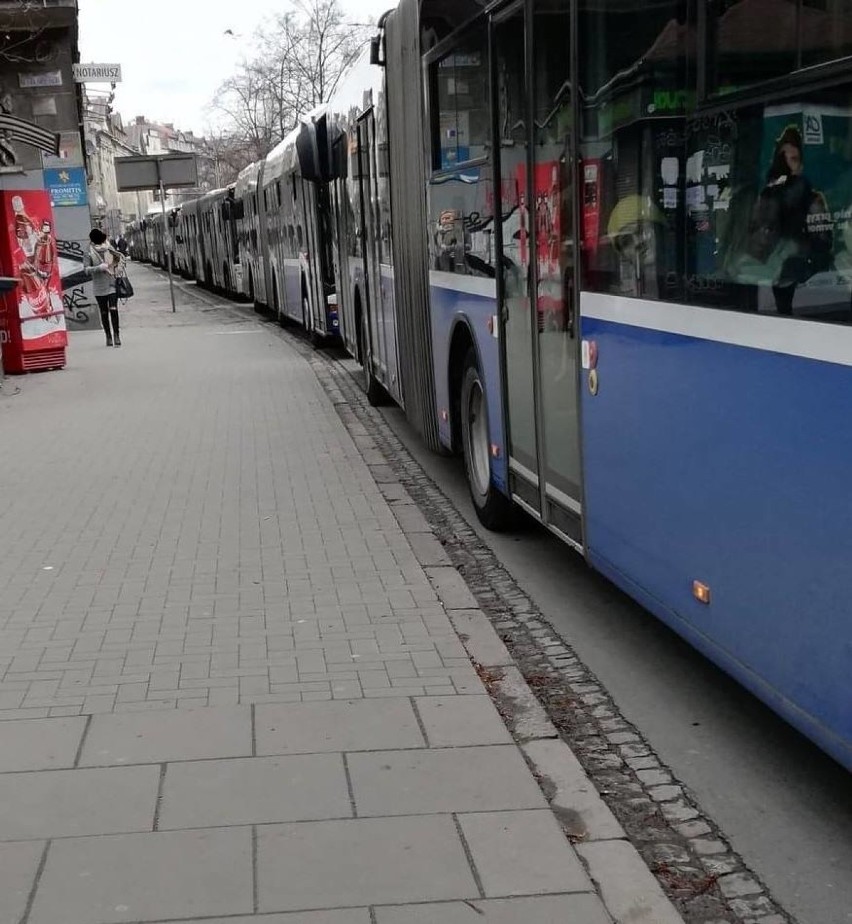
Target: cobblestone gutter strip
x: 706, y: 881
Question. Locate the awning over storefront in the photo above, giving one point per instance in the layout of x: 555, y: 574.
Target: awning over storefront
x: 29, y: 133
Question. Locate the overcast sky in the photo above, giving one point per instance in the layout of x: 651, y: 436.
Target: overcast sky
x: 174, y: 53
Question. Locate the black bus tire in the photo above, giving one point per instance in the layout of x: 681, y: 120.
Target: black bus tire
x: 494, y: 510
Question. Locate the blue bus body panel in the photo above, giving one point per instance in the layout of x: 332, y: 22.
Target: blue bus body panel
x: 451, y: 307
x: 732, y: 466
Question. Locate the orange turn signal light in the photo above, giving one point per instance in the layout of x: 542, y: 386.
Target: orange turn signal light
x: 701, y: 592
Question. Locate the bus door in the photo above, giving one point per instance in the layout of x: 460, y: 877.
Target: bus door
x: 204, y: 221
x: 372, y: 240
x: 340, y: 241
x: 535, y: 192
x: 310, y: 260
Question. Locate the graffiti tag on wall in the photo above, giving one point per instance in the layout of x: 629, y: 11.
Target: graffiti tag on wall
x: 75, y: 295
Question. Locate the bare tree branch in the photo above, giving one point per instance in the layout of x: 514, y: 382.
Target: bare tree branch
x: 301, y: 57
x: 20, y: 32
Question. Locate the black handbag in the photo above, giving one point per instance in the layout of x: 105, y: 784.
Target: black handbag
x: 123, y: 288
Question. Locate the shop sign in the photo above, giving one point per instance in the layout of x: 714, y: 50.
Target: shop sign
x: 97, y: 73
x: 67, y: 186
x: 45, y: 79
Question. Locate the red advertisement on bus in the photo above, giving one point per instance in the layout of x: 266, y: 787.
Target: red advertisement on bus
x: 545, y: 226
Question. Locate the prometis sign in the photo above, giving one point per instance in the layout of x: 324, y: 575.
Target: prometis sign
x: 97, y: 73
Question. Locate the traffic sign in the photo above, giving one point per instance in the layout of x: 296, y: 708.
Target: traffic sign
x: 155, y: 171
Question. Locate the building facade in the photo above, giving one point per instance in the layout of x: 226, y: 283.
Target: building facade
x: 38, y: 46
x: 107, y: 139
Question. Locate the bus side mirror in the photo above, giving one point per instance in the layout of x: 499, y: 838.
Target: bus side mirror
x: 376, y: 51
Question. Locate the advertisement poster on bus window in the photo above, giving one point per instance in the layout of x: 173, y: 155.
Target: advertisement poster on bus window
x: 819, y: 138
x: 591, y: 223
x: 30, y: 255
x: 787, y: 229
x: 547, y: 230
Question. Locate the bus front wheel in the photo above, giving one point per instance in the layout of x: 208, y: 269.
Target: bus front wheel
x: 493, y: 508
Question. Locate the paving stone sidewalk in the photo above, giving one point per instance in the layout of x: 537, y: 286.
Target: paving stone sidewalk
x: 230, y: 685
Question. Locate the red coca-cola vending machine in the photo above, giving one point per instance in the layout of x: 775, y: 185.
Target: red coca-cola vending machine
x: 32, y: 316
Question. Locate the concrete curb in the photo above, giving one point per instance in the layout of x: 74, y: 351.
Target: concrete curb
x: 626, y: 885
x: 572, y: 795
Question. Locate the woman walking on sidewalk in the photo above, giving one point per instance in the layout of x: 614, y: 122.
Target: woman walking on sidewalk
x: 102, y: 262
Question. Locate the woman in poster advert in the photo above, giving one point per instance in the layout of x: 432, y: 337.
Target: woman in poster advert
x: 791, y: 233
x: 101, y: 263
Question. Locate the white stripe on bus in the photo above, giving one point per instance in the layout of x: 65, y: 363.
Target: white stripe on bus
x: 469, y: 285
x: 830, y: 343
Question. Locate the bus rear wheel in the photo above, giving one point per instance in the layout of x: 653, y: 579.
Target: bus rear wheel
x: 493, y: 509
x: 372, y: 388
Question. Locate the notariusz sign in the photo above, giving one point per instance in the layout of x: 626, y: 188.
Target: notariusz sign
x: 97, y: 73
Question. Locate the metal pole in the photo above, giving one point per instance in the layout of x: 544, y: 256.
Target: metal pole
x: 165, y: 235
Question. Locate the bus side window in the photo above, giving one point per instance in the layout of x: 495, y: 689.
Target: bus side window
x: 460, y: 102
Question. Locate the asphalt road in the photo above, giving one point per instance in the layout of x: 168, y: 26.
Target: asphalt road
x: 784, y: 806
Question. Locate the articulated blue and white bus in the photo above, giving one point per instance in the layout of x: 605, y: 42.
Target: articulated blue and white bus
x: 603, y: 250
x: 633, y: 224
